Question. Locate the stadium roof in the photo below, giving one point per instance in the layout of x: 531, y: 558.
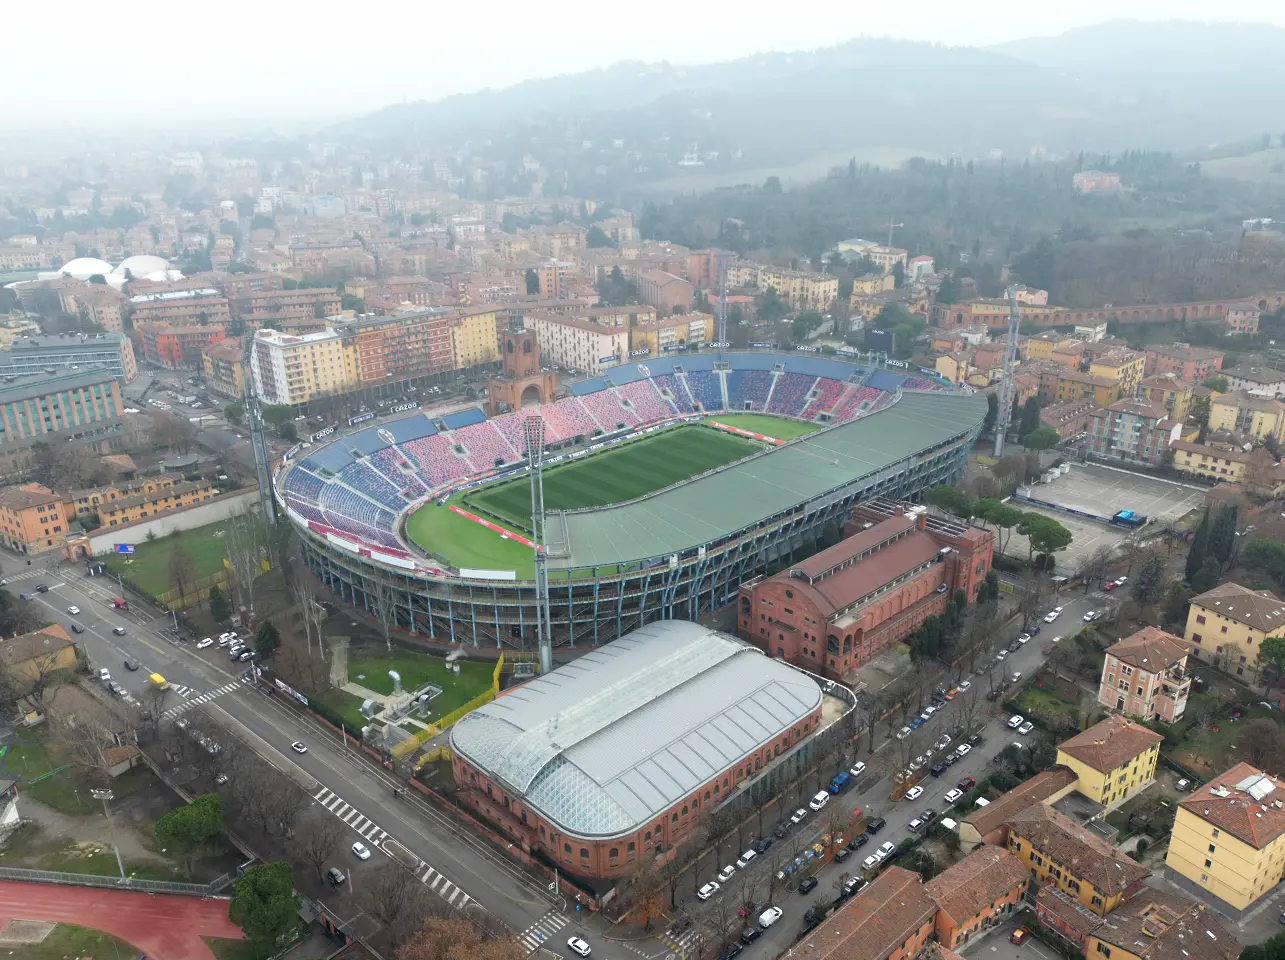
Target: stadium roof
x: 699, y: 511
x: 604, y: 744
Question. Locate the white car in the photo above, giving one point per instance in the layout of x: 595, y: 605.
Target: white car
x: 1002, y: 655
x: 1023, y: 639
x: 362, y: 851
x: 928, y: 712
x: 207, y: 642
x: 885, y: 851
x: 726, y: 873
x: 903, y: 733
x: 799, y: 816
x: 299, y: 747
x: 954, y: 794
x: 1026, y: 728
x: 1091, y: 616
x: 914, y: 793
x: 870, y: 862
x: 819, y: 801
x: 1015, y: 721
x: 104, y: 675
x: 707, y: 891
x: 857, y: 770
x: 74, y: 610
x: 944, y: 742
x: 1121, y: 581
x: 963, y: 749
x: 576, y: 945
x: 770, y: 916
x: 745, y: 859
x: 1053, y: 614
x: 965, y: 686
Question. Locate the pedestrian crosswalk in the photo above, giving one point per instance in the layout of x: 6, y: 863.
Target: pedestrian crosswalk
x: 194, y: 698
x: 684, y: 943
x: 542, y: 931
x: 368, y: 830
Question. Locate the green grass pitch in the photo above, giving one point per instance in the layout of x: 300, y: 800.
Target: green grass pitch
x: 775, y: 427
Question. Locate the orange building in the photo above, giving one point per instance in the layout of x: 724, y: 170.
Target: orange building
x: 976, y: 894
x: 890, y: 919
x: 177, y: 348
x: 33, y: 519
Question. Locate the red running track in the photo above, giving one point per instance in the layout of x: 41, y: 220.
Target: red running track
x: 162, y: 926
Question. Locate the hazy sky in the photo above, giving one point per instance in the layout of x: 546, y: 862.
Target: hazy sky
x: 74, y: 62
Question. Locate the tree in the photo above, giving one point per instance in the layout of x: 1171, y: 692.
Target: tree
x: 266, y: 638
x: 951, y: 499
x: 1177, y: 603
x: 383, y: 607
x: 234, y: 413
x: 455, y: 938
x: 532, y: 282
x: 1199, y: 546
x: 1262, y: 744
x: 220, y: 605
x: 277, y: 413
x: 992, y: 412
x: 1148, y: 584
x: 1222, y: 534
x: 182, y: 569
x: 804, y: 324
x: 948, y: 291
x: 1207, y: 576
x: 1045, y: 438
x: 647, y: 891
x: 1043, y: 534
x: 187, y: 829
x: 317, y: 840
x: 1095, y: 567
x: 1030, y: 420
x: 244, y: 538
x: 1216, y: 384
x: 265, y: 905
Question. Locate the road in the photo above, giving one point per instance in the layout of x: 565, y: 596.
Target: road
x: 453, y: 864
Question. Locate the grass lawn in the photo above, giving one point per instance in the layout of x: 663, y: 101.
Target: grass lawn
x: 632, y: 470
x: 1048, y: 706
x: 68, y: 791
x: 417, y: 669
x: 345, y: 704
x: 463, y: 543
x: 66, y: 941
x: 149, y: 568
x: 230, y: 949
x: 1209, y: 750
x: 25, y: 759
x: 776, y: 427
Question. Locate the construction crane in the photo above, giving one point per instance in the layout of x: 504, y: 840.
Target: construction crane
x: 254, y: 417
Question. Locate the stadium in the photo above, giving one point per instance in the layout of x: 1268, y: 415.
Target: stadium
x: 666, y: 484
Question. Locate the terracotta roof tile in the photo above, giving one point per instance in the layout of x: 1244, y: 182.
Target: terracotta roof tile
x: 986, y: 875
x: 877, y: 920
x: 1220, y: 802
x: 1035, y: 790
x: 1259, y: 609
x: 1150, y: 649
x: 1163, y: 925
x: 1110, y: 744
x: 1076, y: 850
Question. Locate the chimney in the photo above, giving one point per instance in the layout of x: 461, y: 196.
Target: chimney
x: 922, y: 521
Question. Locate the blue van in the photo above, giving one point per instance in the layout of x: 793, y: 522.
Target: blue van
x: 840, y: 782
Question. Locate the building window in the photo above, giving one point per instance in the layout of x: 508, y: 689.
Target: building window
x: 584, y: 853
x: 1208, y: 864
x: 566, y: 848
x: 1200, y: 618
x: 614, y: 853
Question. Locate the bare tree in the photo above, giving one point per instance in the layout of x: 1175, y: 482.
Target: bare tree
x: 383, y: 605
x: 285, y: 801
x: 1095, y: 567
x: 182, y: 571
x: 391, y: 893
x: 243, y: 538
x: 968, y: 707
x: 317, y: 841
x: 311, y: 613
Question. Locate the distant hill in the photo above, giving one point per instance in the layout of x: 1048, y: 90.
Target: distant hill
x: 1111, y: 87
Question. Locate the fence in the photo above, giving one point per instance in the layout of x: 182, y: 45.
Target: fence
x: 171, y: 600
x: 444, y: 722
x: 113, y: 883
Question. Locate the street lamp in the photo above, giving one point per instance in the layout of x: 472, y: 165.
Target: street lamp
x: 106, y: 796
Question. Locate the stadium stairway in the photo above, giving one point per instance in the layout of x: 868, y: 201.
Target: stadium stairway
x: 776, y: 378
x: 722, y: 385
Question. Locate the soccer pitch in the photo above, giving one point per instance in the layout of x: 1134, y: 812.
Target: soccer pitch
x: 777, y: 428
x: 627, y: 472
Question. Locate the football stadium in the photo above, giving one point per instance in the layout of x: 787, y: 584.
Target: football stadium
x: 666, y: 484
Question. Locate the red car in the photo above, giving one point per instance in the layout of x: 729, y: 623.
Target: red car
x: 1018, y: 936
x: 1109, y: 585
x: 966, y: 784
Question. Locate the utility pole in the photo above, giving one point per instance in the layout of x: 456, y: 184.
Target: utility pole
x: 106, y: 796
x: 1006, y: 385
x: 533, y: 431
x: 890, y: 226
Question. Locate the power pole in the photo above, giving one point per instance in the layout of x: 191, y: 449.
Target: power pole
x: 890, y: 226
x: 1006, y: 385
x: 254, y: 417
x: 533, y: 432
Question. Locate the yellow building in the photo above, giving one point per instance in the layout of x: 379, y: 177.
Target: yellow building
x: 178, y: 491
x: 953, y: 367
x: 33, y: 518
x: 1228, y: 840
x: 1123, y: 366
x: 34, y: 656
x: 1211, y: 461
x: 1170, y: 392
x: 475, y: 338
x: 873, y: 283
x: 1226, y: 625
x: 1072, y: 859
x: 152, y: 503
x: 291, y: 369
x: 1113, y: 759
x: 224, y: 372
x: 1041, y: 345
x: 1162, y: 925
x: 1249, y: 415
x: 1073, y: 385
x: 660, y: 336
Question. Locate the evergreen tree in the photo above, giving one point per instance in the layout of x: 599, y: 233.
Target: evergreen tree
x: 1222, y: 535
x: 1199, y: 546
x: 1030, y: 417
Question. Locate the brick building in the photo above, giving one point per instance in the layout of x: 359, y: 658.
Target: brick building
x: 1193, y: 364
x: 664, y: 291
x: 976, y: 894
x: 835, y: 610
x: 177, y: 348
x: 892, y: 918
x: 1145, y: 675
x: 1133, y: 431
x: 33, y: 519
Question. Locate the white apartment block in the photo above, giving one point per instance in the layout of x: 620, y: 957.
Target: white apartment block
x: 294, y: 369
x: 578, y: 344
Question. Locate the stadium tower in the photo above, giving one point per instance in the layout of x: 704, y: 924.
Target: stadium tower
x: 533, y: 432
x: 1006, y: 384
x: 254, y: 417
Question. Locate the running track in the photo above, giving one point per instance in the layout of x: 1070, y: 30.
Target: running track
x: 162, y: 926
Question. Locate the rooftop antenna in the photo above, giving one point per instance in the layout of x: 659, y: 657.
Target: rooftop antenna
x: 533, y: 433
x: 1006, y: 385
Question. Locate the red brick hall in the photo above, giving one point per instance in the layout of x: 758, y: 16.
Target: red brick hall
x: 832, y: 612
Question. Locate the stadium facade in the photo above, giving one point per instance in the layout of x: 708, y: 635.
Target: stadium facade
x: 677, y: 553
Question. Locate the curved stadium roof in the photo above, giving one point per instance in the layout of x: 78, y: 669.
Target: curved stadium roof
x: 606, y: 743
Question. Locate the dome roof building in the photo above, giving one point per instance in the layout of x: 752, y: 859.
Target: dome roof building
x: 82, y: 268
x: 141, y: 266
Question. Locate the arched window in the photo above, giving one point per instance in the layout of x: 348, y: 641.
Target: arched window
x: 566, y: 848
x: 584, y: 853
x: 684, y: 809
x: 614, y: 853
x: 526, y: 346
x: 630, y: 848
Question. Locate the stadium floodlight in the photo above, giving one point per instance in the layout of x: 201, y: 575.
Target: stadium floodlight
x: 533, y: 433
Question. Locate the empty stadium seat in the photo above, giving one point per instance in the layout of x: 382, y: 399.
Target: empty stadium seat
x: 791, y: 393
x: 606, y: 409
x: 646, y: 401
x: 486, y: 445
x: 436, y: 459
x: 705, y: 389
x: 828, y: 394
x: 748, y: 389
x: 668, y: 383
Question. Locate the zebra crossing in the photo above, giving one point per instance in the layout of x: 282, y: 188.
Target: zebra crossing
x: 372, y: 832
x: 683, y: 943
x: 193, y: 698
x: 542, y: 931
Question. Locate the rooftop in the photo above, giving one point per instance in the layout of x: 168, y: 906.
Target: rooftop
x: 976, y: 882
x: 877, y: 921
x: 1150, y: 649
x: 1248, y: 401
x: 1259, y: 609
x: 1111, y: 743
x: 43, y: 384
x: 47, y: 640
x: 1037, y: 789
x: 1185, y: 351
x: 27, y: 495
x: 67, y: 342
x: 1244, y: 801
x: 1165, y: 925
x: 1077, y: 850
x: 605, y: 743
x: 1255, y: 374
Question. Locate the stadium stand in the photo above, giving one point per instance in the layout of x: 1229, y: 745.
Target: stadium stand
x: 368, y: 480
x: 485, y: 445
x: 791, y: 393
x: 606, y: 409
x: 345, y: 509
x: 922, y: 383
x: 648, y: 404
x: 465, y: 418
x: 306, y: 486
x: 568, y: 418
x: 855, y: 401
x: 676, y: 389
x: 828, y: 394
x: 436, y: 460
x: 705, y: 389
x: 389, y: 462
x: 306, y: 510
x: 748, y: 389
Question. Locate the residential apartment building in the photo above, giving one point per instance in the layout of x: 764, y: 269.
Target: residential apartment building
x: 891, y: 918
x: 1192, y: 364
x: 76, y: 406
x: 1069, y: 418
x: 180, y: 309
x: 1123, y: 366
x: 1226, y: 626
x: 672, y: 333
x: 976, y: 894
x: 1260, y: 381
x: 33, y: 519
x: 1061, y: 385
x: 1169, y: 391
x: 800, y: 289
x: 475, y: 337
x: 1072, y: 859
x: 69, y: 353
x: 576, y: 344
x: 303, y: 303
x: 954, y: 367
x: 1154, y: 924
x: 988, y: 824
x: 1228, y: 840
x: 1041, y: 345
x: 1214, y: 462
x: 223, y: 370
x: 401, y: 347
x: 1113, y: 759
x: 177, y: 348
x: 99, y: 305
x: 705, y: 268
x: 294, y: 369
x: 1242, y: 319
x: 151, y: 500
x: 1250, y: 415
x: 835, y: 610
x: 1145, y: 676
x: 32, y: 657
x: 80, y: 502
x: 1133, y: 431
x: 664, y: 291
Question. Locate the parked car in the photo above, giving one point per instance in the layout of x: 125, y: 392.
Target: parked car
x: 808, y: 885
x: 917, y: 824
x: 1023, y: 639
x: 1002, y: 655
x: 1091, y: 616
x: 965, y: 686
x: 1018, y: 936
x: 763, y: 845
x: 1109, y: 585
x: 1015, y: 721
x: 708, y: 890
x: 962, y: 749
x: 1026, y: 728
x: 903, y: 733
x: 207, y: 642
x: 870, y: 862
x: 799, y: 816
x: 750, y: 934
x: 770, y: 916
x: 875, y: 825
x: 819, y: 801
x: 938, y: 770
x: 726, y: 873
x: 914, y: 793
x: 1121, y: 581
x: 842, y: 854
x: 745, y: 859
x: 954, y: 795
x: 335, y: 876
x: 966, y: 784
x: 361, y: 850
x: 104, y: 675
x: 857, y: 769
x: 1053, y: 615
x: 886, y: 851
x: 851, y: 885
x: 576, y: 945
x: 859, y: 841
